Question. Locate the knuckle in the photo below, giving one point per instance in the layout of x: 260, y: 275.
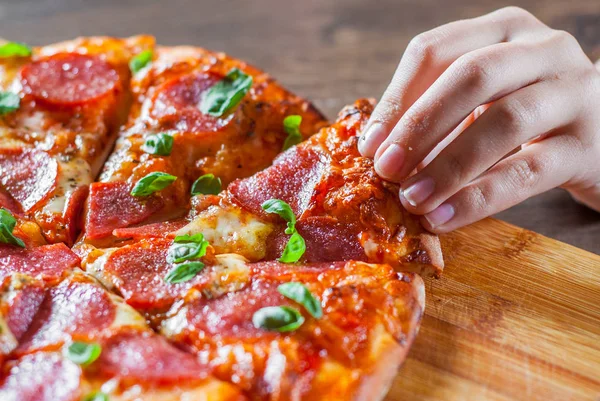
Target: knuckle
x: 387, y: 110
x: 517, y: 13
x: 455, y: 166
x: 512, y: 115
x: 477, y: 198
x: 475, y: 71
x: 423, y: 46
x: 524, y: 173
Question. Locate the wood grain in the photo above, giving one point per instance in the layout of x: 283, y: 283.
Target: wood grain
x: 516, y: 316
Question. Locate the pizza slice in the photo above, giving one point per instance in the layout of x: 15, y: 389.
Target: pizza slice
x: 195, y: 114
x: 64, y: 337
x: 60, y: 107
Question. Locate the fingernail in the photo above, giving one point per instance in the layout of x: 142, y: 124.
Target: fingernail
x: 370, y: 140
x: 419, y: 191
x: 390, y: 162
x: 441, y: 215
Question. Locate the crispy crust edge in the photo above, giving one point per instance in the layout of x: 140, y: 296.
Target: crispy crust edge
x: 430, y: 243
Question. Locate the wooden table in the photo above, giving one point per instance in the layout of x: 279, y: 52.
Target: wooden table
x: 330, y: 51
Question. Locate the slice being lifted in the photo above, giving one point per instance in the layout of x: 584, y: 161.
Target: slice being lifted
x: 195, y: 113
x: 61, y: 107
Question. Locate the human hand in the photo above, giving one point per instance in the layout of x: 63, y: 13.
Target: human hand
x: 489, y: 112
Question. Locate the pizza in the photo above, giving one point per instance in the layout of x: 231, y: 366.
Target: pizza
x: 175, y: 225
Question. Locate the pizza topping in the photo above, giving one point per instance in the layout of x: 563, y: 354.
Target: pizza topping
x: 111, y: 206
x: 277, y: 318
x: 14, y: 49
x: 7, y: 225
x: 83, y: 353
x: 69, y: 79
x: 42, y: 376
x: 47, y: 261
x: 299, y: 293
x: 152, y: 183
x: 98, y: 396
x: 296, y: 246
x: 22, y: 309
x: 9, y: 102
x: 140, y: 61
x: 207, y: 184
x: 29, y: 176
x: 154, y: 230
x: 176, y: 103
x: 184, y: 249
x: 184, y: 272
x: 291, y: 125
x: 159, y: 144
x: 147, y: 358
x: 226, y: 94
x: 57, y: 317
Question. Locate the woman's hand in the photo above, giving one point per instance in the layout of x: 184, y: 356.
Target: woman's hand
x: 488, y: 112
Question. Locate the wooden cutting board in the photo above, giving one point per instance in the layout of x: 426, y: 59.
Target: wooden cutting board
x: 516, y: 316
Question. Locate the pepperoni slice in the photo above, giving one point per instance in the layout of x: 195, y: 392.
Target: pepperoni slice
x: 7, y: 202
x: 77, y: 309
x: 327, y: 240
x: 111, y: 206
x: 22, y: 309
x: 144, y: 357
x: 49, y: 262
x: 69, y: 79
x: 177, y: 103
x: 154, y: 230
x: 138, y: 272
x: 29, y: 175
x: 73, y: 210
x: 42, y: 377
x: 293, y: 178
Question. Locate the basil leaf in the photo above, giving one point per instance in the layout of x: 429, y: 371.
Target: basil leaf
x: 182, y: 251
x: 277, y: 318
x: 299, y: 293
x: 9, y: 102
x: 83, y: 353
x: 226, y: 94
x: 291, y: 125
x: 140, y: 60
x: 184, y: 272
x: 294, y: 249
x: 207, y: 184
x: 7, y: 225
x: 99, y: 396
x: 15, y: 49
x: 284, y: 211
x: 182, y: 239
x: 151, y: 183
x: 159, y: 144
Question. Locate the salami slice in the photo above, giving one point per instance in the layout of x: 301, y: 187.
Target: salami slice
x: 138, y: 272
x: 78, y: 310
x: 49, y: 262
x: 293, y: 178
x: 29, y: 175
x: 154, y: 230
x: 42, y: 377
x: 69, y: 79
x: 144, y: 357
x: 111, y: 206
x: 177, y: 103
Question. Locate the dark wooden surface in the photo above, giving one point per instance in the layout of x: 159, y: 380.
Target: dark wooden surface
x: 331, y: 52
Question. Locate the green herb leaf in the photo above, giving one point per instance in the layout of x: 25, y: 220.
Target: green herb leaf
x: 9, y: 102
x: 83, y: 353
x: 152, y: 183
x: 299, y: 293
x: 277, y: 318
x: 99, y: 396
x: 207, y: 184
x: 140, y: 60
x: 159, y: 144
x: 294, y: 249
x: 15, y: 49
x: 184, y: 272
x: 283, y: 210
x: 291, y: 124
x: 7, y: 225
x: 226, y: 94
x: 186, y: 247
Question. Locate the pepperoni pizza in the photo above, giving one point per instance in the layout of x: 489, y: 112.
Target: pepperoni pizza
x: 171, y: 229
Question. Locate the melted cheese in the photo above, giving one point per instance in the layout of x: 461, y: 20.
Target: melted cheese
x: 72, y: 174
x: 231, y: 231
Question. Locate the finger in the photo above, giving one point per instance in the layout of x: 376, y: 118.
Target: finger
x: 476, y: 78
x: 427, y: 57
x: 536, y: 169
x: 511, y: 121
